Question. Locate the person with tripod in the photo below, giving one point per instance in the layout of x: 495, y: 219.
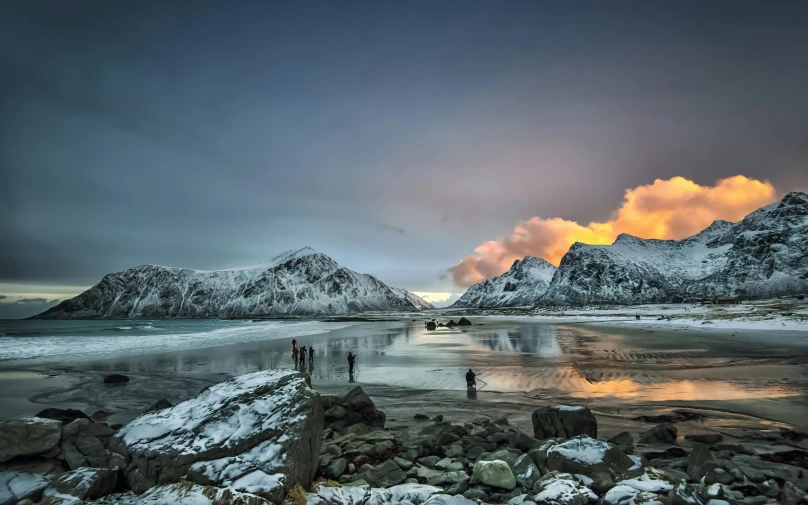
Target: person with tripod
x: 351, y: 363
x: 470, y: 381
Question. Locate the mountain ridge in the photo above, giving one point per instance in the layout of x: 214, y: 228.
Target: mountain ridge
x: 298, y: 282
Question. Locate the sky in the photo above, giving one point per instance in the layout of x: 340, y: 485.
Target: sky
x: 399, y: 138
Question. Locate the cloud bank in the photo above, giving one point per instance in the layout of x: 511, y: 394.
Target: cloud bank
x: 667, y: 209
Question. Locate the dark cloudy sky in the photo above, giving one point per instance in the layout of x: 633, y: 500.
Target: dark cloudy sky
x: 393, y: 136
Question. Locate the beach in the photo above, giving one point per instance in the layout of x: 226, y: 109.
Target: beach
x: 741, y: 379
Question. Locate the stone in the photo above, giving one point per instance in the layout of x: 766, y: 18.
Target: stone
x: 187, y: 493
x: 501, y: 455
x: 474, y: 452
x: 438, y: 418
x: 476, y: 494
x: 459, y: 488
x: 653, y: 481
x: 421, y: 417
x: 354, y: 408
x: 522, y: 441
x: 718, y: 475
x: 593, y: 458
x: 72, y: 456
x: 429, y: 461
x: 700, y: 462
x: 662, y: 433
x: 560, y: 491
x: 93, y: 450
x: 624, y: 441
x: 430, y: 325
x: 160, y: 404
x: 258, y: 433
x: 627, y: 495
x: 333, y: 450
x: 526, y: 472
x: 336, y: 468
x: 116, y: 379
x: 100, y: 415
x: 563, y: 421
x: 385, y: 475
x: 539, y: 454
x: 442, y: 464
x: 455, y: 451
x: 684, y: 494
x: 403, y: 463
x: 463, y: 322
x: 770, y: 488
x: 792, y: 495
x: 495, y: 474
x: 28, y: 436
x: 84, y: 483
x: 62, y: 415
x: 16, y: 486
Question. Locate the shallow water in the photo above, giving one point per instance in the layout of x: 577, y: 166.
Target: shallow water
x: 541, y: 362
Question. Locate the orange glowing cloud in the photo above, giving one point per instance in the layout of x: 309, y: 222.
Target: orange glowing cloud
x: 667, y: 209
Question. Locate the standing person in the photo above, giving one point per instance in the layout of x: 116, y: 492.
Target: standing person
x: 351, y: 361
x: 303, y: 356
x: 470, y: 382
x: 311, y: 353
x: 294, y: 352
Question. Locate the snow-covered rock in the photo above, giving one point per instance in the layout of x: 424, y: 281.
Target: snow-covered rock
x: 593, y: 458
x: 523, y: 284
x: 257, y: 433
x: 302, y: 282
x: 83, y: 484
x: 563, y: 421
x: 764, y: 254
x: 183, y: 493
x: 627, y: 495
x: 653, y: 481
x: 494, y: 473
x: 561, y: 491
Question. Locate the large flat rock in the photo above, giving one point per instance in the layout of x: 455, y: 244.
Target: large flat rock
x: 258, y: 433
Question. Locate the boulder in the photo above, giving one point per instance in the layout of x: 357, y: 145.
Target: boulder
x: 501, y: 455
x: 354, y: 408
x: 115, y: 379
x: 431, y: 326
x: 596, y: 459
x: 700, y: 462
x: 186, y: 493
x: 451, y: 324
x: 160, y: 404
x: 258, y: 433
x: 665, y: 433
x: 495, y: 474
x: 526, y: 472
x: 652, y: 481
x: 624, y: 441
x: 16, y: 486
x: 63, y: 415
x: 385, y: 475
x: 522, y: 441
x: 560, y: 491
x: 563, y: 421
x: 464, y: 322
x: 539, y: 454
x: 627, y: 495
x: 28, y: 436
x: 84, y: 483
x: 336, y: 468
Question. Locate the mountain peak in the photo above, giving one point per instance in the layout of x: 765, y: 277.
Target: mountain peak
x: 292, y: 254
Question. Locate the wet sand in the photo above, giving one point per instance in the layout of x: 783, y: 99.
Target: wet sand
x: 743, y: 380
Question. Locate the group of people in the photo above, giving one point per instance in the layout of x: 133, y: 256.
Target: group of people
x: 301, y: 353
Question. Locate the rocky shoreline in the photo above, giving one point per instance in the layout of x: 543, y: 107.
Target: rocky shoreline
x: 267, y: 437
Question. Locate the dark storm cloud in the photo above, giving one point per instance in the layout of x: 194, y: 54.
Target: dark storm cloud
x: 393, y: 136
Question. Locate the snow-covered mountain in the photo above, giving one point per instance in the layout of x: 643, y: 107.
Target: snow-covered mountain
x: 414, y: 299
x: 764, y: 254
x: 523, y: 284
x: 302, y: 282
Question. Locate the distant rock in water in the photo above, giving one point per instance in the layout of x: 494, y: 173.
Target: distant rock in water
x: 763, y: 255
x: 431, y: 325
x: 464, y: 322
x: 522, y: 285
x: 302, y: 282
x: 115, y: 379
x: 65, y: 416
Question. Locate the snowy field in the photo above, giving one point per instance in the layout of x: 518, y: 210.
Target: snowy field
x: 775, y: 314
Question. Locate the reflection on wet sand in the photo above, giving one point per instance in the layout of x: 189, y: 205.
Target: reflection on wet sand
x: 547, y: 360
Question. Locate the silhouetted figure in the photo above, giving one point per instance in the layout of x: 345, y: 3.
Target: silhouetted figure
x: 295, y: 352
x: 303, y: 356
x: 470, y: 381
x: 351, y: 362
x: 311, y: 353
